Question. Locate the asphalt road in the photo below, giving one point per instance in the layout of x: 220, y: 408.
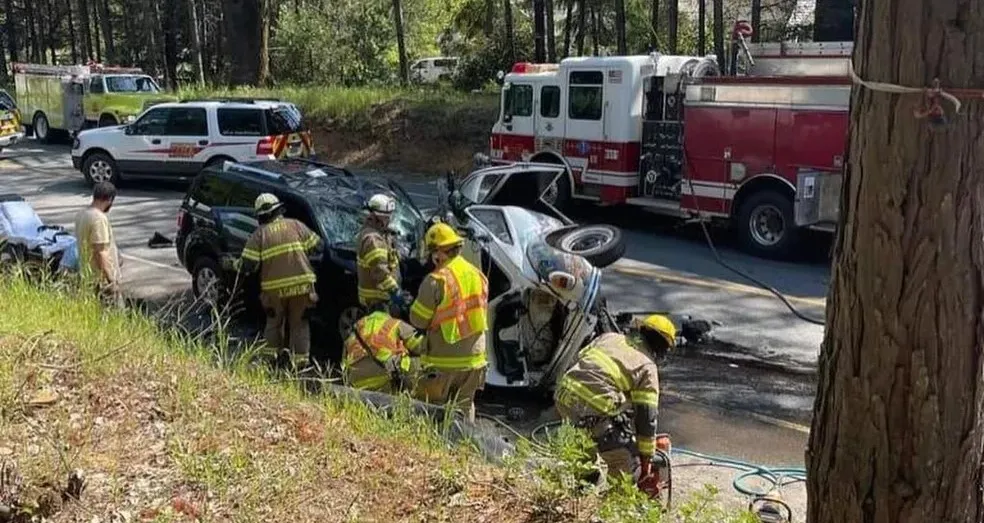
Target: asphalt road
x: 721, y: 406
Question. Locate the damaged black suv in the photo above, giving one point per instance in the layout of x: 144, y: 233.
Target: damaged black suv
x: 216, y: 218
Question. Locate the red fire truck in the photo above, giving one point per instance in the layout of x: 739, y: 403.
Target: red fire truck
x: 761, y: 148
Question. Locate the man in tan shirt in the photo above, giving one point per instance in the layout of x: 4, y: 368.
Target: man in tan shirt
x: 99, y: 260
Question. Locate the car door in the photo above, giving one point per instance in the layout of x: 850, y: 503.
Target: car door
x: 144, y: 147
x: 187, y: 130
x: 236, y: 221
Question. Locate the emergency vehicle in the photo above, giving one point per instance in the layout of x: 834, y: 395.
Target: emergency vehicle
x: 761, y: 148
x: 10, y: 126
x: 74, y: 97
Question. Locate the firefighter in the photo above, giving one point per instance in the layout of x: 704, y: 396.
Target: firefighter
x: 613, y: 373
x: 452, y: 307
x: 378, y: 262
x: 378, y: 353
x: 279, y: 249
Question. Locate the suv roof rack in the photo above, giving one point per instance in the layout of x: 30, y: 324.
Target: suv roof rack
x: 231, y: 99
x: 228, y: 166
x: 336, y: 170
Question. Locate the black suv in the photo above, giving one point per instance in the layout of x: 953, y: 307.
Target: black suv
x: 216, y: 218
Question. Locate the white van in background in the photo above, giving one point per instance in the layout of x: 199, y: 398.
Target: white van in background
x: 433, y: 70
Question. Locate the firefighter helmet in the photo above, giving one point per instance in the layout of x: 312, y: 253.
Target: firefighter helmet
x: 661, y: 325
x: 441, y: 235
x: 266, y: 203
x: 381, y: 204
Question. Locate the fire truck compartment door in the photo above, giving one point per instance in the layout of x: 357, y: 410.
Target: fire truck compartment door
x: 549, y: 121
x: 73, y: 111
x: 817, y: 197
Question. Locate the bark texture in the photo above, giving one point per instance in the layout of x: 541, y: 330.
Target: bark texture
x: 673, y: 23
x: 620, y: 27
x: 400, y: 42
x: 897, y: 433
x: 243, y: 26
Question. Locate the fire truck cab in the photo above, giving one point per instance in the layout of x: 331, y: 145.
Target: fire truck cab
x: 761, y: 148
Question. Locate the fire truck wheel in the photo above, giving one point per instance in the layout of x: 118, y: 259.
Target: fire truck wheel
x: 42, y: 131
x: 602, y: 245
x: 767, y: 226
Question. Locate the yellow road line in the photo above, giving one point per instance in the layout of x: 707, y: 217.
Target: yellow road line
x: 768, y: 420
x: 713, y: 284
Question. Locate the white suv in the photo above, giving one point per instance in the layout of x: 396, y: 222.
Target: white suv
x: 433, y: 70
x: 177, y: 140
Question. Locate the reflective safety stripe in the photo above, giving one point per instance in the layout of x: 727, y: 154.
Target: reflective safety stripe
x: 414, y: 342
x: 372, y: 256
x: 365, y: 295
x: 599, y: 402
x: 311, y: 242
x: 251, y: 255
x: 645, y: 397
x: 462, y: 311
x: 279, y: 250
x: 282, y: 283
x: 421, y: 310
x: 611, y: 368
x: 372, y: 382
x: 647, y: 446
x: 381, y: 333
x: 476, y: 361
x: 388, y: 284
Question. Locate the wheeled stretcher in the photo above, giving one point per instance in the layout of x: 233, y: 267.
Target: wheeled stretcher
x: 25, y: 238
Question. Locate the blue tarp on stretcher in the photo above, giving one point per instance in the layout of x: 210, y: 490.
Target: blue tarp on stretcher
x: 21, y: 227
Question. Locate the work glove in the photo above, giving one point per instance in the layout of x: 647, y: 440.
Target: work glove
x: 648, y: 480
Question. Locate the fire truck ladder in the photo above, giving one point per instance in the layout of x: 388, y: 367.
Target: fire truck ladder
x: 53, y: 70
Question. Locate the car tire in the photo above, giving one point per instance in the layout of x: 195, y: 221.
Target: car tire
x: 206, y: 281
x: 107, y: 120
x: 42, y: 128
x: 100, y: 167
x: 601, y: 245
x: 766, y: 225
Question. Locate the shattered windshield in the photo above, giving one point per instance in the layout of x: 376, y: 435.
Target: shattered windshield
x: 131, y: 84
x: 342, y: 218
x: 545, y: 259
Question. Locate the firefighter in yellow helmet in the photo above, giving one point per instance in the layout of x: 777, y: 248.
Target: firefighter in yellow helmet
x: 378, y: 263
x: 452, y: 308
x: 615, y: 373
x: 279, y: 249
x: 378, y: 353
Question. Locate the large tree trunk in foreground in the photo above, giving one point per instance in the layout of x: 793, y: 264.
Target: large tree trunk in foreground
x: 510, y: 36
x: 620, y: 28
x: 401, y: 42
x: 898, y: 430
x: 673, y: 23
x: 242, y: 20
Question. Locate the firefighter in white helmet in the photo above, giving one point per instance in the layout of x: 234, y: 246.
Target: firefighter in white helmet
x: 279, y: 249
x: 377, y: 260
x: 614, y: 373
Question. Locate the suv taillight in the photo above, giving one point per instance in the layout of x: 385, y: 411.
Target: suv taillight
x: 265, y: 146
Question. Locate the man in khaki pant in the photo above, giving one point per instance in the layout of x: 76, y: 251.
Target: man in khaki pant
x: 279, y: 248
x: 452, y: 307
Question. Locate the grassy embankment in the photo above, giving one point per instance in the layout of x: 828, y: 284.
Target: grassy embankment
x: 166, y: 428
x: 406, y: 130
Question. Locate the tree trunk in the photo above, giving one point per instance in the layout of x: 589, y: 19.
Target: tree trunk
x: 898, y: 426
x: 86, y: 32
x: 756, y: 19
x: 595, y: 30
x: 654, y: 26
x: 400, y: 42
x: 719, y: 32
x: 834, y: 21
x: 620, y: 27
x: 581, y: 25
x: 266, y: 20
x: 568, y: 9
x: 12, y: 43
x: 673, y: 21
x: 170, y: 43
x: 71, y: 32
x: 242, y: 22
x: 96, y: 45
x: 702, y: 27
x: 51, y: 30
x: 107, y: 30
x: 32, y: 35
x: 551, y: 32
x: 196, y: 43
x: 510, y: 36
x: 539, y: 30
x: 489, y: 26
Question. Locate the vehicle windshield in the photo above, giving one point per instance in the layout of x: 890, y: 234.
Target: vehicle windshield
x: 545, y: 259
x: 131, y: 84
x: 342, y: 222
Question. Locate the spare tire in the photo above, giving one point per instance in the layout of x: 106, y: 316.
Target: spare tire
x: 602, y: 245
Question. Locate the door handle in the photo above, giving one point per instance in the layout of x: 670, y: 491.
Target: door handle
x: 202, y: 142
x: 155, y: 141
x: 509, y: 127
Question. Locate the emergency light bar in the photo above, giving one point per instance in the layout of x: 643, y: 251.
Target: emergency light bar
x: 73, y: 70
x: 531, y: 68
